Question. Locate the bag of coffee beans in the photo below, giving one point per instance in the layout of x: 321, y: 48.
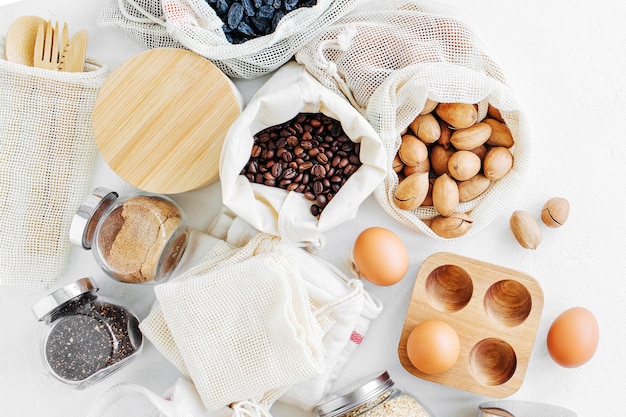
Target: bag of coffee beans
x: 392, y: 60
x: 300, y: 159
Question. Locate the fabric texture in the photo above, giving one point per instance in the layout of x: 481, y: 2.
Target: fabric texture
x: 47, y: 153
x: 291, y: 90
x: 388, y: 58
x: 194, y: 25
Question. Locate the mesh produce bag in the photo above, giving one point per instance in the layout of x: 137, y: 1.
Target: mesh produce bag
x: 195, y: 25
x: 341, y: 305
x: 388, y: 58
x: 141, y: 21
x: 246, y: 320
x: 341, y: 308
x: 47, y: 151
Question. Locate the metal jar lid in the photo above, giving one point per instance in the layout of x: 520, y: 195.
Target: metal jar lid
x: 82, y: 228
x: 61, y: 296
x: 355, y: 395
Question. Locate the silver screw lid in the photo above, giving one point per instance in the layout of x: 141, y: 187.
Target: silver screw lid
x: 61, y: 296
x: 364, y: 391
x: 82, y: 227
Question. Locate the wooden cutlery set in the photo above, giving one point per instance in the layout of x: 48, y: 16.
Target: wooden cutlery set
x: 36, y: 42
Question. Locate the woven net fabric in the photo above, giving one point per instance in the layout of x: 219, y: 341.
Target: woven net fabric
x: 194, y: 25
x: 388, y: 58
x: 47, y: 152
x: 243, y: 314
x: 141, y: 21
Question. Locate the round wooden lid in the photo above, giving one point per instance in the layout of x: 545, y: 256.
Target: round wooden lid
x: 160, y: 120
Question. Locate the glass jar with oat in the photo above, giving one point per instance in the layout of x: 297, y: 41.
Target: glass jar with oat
x: 138, y: 238
x: 372, y: 397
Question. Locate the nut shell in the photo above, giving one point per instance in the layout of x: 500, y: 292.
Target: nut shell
x: 500, y: 134
x: 458, y: 115
x: 455, y: 225
x: 471, y: 137
x: 463, y: 165
x: 498, y: 162
x: 472, y: 188
x: 439, y: 157
x: 426, y: 128
x: 445, y: 195
x: 412, y: 150
x: 555, y: 212
x: 411, y: 191
x: 525, y: 229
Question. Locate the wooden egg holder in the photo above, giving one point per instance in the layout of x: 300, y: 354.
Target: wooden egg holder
x: 495, y: 312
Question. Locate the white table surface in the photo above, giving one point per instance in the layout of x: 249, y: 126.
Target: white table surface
x: 566, y: 61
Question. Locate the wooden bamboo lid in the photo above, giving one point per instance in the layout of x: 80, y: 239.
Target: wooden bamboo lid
x: 160, y: 120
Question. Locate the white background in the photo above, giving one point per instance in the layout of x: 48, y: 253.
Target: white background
x: 566, y: 62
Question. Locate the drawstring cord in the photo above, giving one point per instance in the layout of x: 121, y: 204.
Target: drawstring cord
x: 149, y: 17
x: 249, y: 409
x: 342, y: 43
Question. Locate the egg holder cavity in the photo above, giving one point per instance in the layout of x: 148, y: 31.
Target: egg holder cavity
x: 495, y: 312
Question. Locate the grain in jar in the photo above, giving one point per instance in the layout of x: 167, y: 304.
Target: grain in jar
x: 372, y: 397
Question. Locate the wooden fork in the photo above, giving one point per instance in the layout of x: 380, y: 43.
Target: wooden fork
x: 47, y: 47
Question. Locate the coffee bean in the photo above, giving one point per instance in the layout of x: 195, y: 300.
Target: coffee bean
x: 309, y: 154
x: 277, y: 170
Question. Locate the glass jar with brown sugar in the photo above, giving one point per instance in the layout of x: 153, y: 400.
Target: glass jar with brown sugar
x: 138, y: 238
x: 372, y: 397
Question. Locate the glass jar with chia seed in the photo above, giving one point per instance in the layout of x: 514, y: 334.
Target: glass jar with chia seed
x: 372, y: 397
x: 138, y: 238
x: 87, y: 337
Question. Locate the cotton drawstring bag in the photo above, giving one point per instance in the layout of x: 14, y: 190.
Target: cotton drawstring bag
x: 246, y: 320
x: 47, y: 152
x: 291, y: 90
x: 388, y: 58
x: 341, y: 305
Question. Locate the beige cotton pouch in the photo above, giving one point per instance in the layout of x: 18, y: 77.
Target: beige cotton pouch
x: 47, y: 153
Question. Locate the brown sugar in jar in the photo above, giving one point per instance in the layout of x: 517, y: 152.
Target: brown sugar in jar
x: 139, y: 238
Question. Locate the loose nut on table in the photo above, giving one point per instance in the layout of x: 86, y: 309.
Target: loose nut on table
x: 555, y: 212
x: 525, y: 229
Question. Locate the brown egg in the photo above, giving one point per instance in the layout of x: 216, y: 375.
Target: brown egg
x: 433, y: 347
x: 380, y: 256
x: 573, y: 337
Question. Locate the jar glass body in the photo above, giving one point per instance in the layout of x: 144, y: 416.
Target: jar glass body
x: 140, y: 238
x: 87, y: 338
x: 373, y: 397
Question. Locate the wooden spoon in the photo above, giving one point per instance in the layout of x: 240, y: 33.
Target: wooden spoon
x: 20, y: 39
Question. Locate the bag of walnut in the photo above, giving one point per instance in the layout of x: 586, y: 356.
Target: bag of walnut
x: 299, y: 160
x: 47, y: 152
x: 397, y: 60
x: 244, y: 38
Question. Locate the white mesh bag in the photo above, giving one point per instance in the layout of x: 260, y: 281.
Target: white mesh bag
x: 291, y: 90
x: 243, y: 327
x: 141, y: 21
x: 47, y: 152
x: 341, y: 305
x: 196, y: 25
x: 388, y: 58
